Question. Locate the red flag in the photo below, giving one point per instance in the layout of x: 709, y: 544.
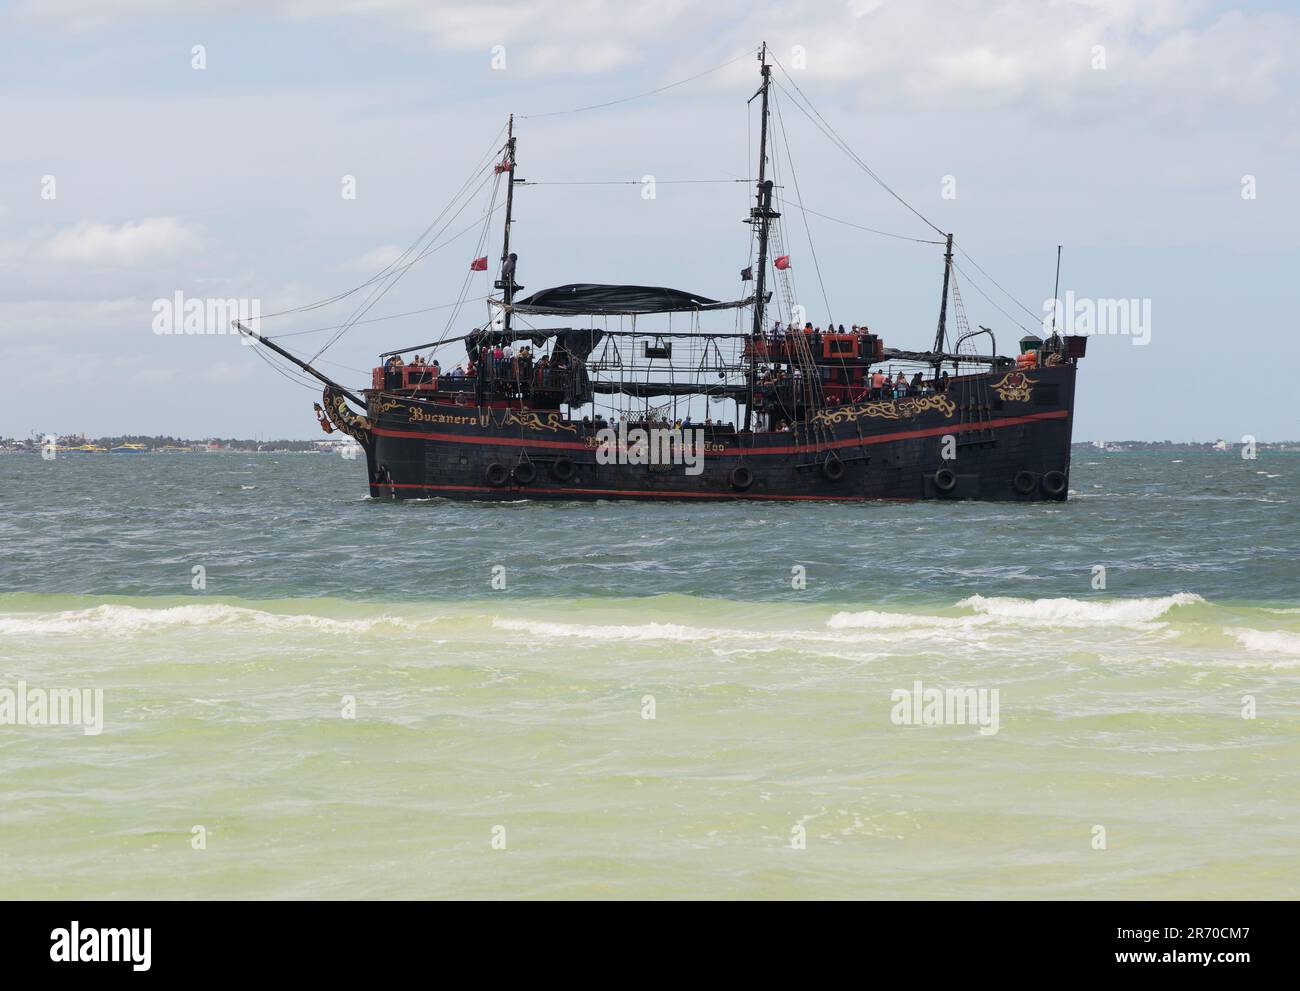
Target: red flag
x: 478, y: 264
x: 782, y: 261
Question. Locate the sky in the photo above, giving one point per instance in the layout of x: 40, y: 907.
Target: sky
x: 156, y: 147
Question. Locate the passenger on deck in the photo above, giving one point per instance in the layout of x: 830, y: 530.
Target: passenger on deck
x: 393, y: 372
x: 877, y: 384
x: 458, y: 372
x: 917, y: 385
x: 900, y: 386
x: 942, y: 383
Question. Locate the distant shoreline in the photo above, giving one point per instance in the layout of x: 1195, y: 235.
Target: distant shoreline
x: 169, y: 445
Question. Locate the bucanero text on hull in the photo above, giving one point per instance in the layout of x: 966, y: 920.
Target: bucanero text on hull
x: 819, y: 412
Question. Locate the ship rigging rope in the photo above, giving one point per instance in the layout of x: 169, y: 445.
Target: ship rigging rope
x: 794, y: 178
x: 975, y: 286
x: 872, y: 230
x: 296, y: 377
x: 638, y: 96
x: 385, y: 271
x: 469, y: 275
x: 390, y: 316
x: 620, y: 182
x: 379, y: 291
x: 432, y: 249
x: 1035, y: 316
x: 824, y: 126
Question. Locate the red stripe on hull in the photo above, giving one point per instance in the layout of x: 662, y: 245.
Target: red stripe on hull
x: 954, y: 428
x: 660, y: 493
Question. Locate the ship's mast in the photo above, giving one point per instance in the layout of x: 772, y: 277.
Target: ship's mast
x: 506, y: 282
x: 763, y: 215
x: 942, y: 332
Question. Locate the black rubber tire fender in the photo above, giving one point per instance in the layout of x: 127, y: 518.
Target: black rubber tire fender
x: 741, y: 477
x: 833, y: 467
x: 496, y: 474
x: 945, y: 480
x: 1024, y: 482
x: 562, y: 468
x: 525, y: 473
x: 1054, y: 484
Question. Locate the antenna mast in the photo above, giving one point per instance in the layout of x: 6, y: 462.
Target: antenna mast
x: 1056, y: 290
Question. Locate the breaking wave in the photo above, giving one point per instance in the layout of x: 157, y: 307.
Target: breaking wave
x: 115, y: 620
x: 1072, y: 612
x: 1267, y: 641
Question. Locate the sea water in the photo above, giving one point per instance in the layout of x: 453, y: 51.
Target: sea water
x: 310, y: 694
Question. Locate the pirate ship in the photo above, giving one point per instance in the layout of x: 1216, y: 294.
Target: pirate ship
x: 817, y: 413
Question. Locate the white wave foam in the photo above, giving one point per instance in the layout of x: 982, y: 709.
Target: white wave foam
x: 643, y: 631
x: 1080, y: 611
x: 889, y: 621
x: 130, y: 620
x: 1267, y: 641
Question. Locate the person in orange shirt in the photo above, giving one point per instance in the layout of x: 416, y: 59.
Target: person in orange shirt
x: 877, y: 383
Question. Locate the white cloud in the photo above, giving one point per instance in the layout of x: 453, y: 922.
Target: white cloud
x: 128, y: 244
x: 917, y: 52
x: 375, y: 261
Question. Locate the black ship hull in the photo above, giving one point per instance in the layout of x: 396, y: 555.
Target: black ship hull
x: 997, y: 436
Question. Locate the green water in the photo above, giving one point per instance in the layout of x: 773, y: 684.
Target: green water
x: 771, y: 766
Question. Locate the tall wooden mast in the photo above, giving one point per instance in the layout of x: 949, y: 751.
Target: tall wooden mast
x: 762, y: 215
x: 506, y: 281
x: 943, y: 303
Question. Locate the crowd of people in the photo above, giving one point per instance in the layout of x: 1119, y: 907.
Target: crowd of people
x: 779, y: 333
x: 500, y: 361
x: 882, y: 386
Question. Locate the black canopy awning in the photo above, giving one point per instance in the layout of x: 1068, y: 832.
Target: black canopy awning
x: 589, y: 298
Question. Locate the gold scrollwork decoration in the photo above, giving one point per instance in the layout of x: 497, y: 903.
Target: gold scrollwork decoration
x: 534, y: 421
x: 888, y: 409
x: 1015, y: 387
